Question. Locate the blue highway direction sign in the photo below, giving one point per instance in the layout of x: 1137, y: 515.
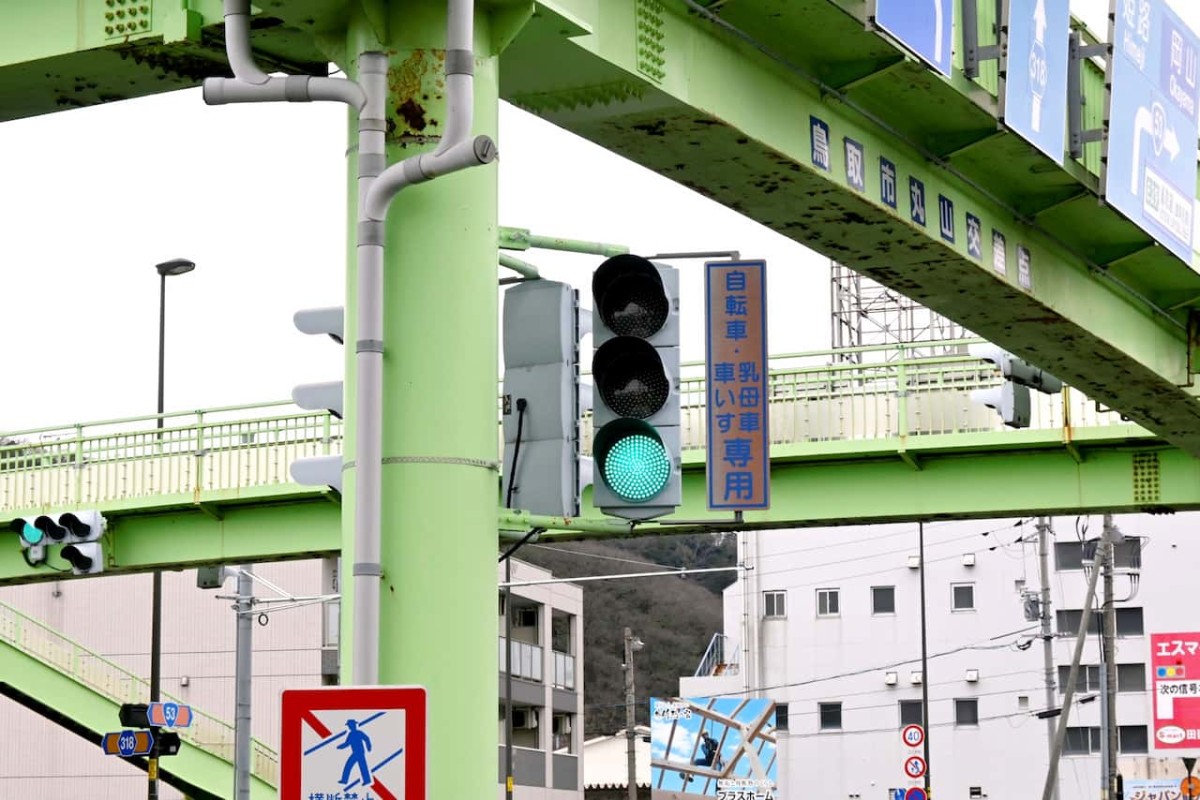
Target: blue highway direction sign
x: 1035, y: 91
x: 1153, y: 104
x: 924, y: 26
x: 127, y: 743
x: 169, y: 715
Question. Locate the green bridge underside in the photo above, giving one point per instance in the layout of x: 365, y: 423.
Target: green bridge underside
x: 883, y: 440
x: 723, y: 105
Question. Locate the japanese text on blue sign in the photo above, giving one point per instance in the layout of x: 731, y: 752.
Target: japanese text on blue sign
x: 738, y: 462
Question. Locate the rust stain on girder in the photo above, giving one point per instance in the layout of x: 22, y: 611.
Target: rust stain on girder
x: 415, y: 85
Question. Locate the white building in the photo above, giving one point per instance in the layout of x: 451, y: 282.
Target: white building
x: 77, y: 624
x: 828, y: 623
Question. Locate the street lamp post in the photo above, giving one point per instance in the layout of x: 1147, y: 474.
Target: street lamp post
x: 176, y: 266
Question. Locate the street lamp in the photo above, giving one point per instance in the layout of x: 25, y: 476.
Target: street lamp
x: 176, y: 266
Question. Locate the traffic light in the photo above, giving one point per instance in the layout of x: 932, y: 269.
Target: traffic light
x: 136, y: 715
x: 635, y: 369
x: 1012, y: 400
x: 543, y: 400
x: 78, y: 531
x: 320, y: 470
x: 82, y: 549
x: 33, y: 539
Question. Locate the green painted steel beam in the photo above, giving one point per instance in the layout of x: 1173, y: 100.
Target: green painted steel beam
x: 55, y: 694
x: 730, y: 118
x: 1118, y: 469
x: 167, y: 533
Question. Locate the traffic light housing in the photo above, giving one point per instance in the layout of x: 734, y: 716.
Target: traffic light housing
x: 635, y: 371
x: 78, y: 531
x: 543, y: 399
x: 327, y: 396
x: 1012, y: 400
x: 136, y: 715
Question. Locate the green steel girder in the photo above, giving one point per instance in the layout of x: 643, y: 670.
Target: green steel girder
x: 720, y: 116
x: 52, y: 692
x: 1118, y: 469
x: 176, y: 532
x: 728, y: 115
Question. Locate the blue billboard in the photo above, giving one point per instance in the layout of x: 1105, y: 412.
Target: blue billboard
x: 1153, y: 105
x: 1035, y: 89
x: 718, y: 747
x: 924, y: 26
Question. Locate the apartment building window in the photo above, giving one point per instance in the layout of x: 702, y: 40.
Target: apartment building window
x: 781, y: 716
x: 827, y: 603
x: 910, y: 713
x: 1071, y: 555
x: 966, y: 711
x: 775, y: 605
x: 962, y: 596
x: 1131, y: 740
x: 1131, y: 677
x: 883, y: 599
x: 831, y: 716
x: 1129, y: 621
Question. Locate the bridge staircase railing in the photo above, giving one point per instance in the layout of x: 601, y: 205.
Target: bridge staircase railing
x: 118, y: 685
x: 886, y: 395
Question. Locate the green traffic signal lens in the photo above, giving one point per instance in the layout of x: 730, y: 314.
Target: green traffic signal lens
x: 636, y: 467
x: 31, y: 534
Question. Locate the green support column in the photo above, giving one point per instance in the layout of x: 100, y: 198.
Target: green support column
x: 439, y: 515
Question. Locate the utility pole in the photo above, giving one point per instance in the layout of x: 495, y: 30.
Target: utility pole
x: 1109, y: 779
x: 924, y: 661
x: 243, y: 683
x: 1085, y: 616
x: 1043, y: 529
x: 631, y: 645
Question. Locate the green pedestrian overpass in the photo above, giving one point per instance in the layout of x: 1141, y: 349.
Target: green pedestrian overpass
x: 870, y: 434
x: 863, y: 435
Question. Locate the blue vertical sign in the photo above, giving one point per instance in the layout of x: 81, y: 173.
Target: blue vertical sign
x: 1035, y: 89
x: 1151, y: 152
x: 739, y: 459
x: 924, y: 26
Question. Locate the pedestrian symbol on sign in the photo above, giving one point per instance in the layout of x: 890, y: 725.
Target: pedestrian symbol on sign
x: 359, y: 744
x: 914, y: 766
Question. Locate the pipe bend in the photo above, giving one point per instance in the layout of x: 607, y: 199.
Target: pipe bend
x: 341, y: 90
x: 237, y: 47
x: 472, y: 153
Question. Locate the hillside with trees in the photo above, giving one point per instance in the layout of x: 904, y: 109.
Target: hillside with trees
x: 674, y: 616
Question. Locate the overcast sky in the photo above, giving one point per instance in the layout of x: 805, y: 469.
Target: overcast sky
x: 255, y: 194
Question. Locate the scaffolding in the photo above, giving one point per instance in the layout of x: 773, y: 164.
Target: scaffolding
x: 866, y: 313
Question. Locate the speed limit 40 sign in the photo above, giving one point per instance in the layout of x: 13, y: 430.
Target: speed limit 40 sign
x: 913, y: 735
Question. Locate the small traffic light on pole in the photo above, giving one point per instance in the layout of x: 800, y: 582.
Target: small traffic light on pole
x: 1012, y: 400
x: 543, y: 399
x: 328, y: 396
x: 82, y: 549
x: 78, y: 531
x: 635, y: 369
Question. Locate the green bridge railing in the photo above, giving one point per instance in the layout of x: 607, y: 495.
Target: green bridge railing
x: 896, y: 393
x: 119, y: 685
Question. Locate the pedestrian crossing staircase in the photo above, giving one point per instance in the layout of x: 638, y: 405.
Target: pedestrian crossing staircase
x: 48, y: 673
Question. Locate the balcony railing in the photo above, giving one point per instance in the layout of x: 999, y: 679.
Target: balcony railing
x: 526, y: 660
x: 564, y: 670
